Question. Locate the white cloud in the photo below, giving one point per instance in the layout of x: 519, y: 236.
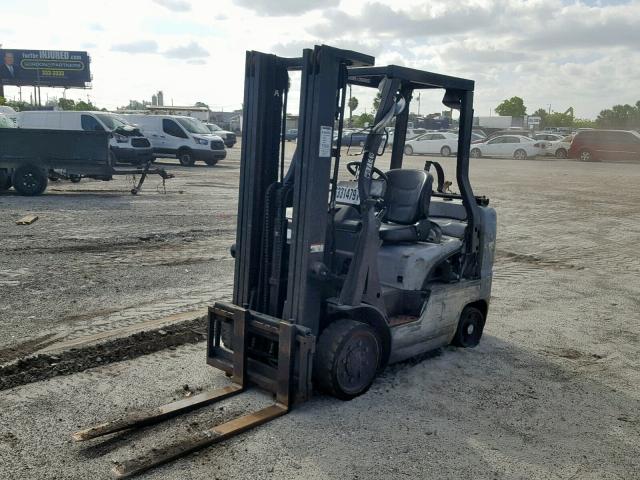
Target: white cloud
x: 175, y: 5
x: 140, y: 46
x: 559, y: 52
x: 192, y: 50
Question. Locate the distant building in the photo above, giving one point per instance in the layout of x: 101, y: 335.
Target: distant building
x: 201, y: 113
x: 154, y: 100
x: 228, y: 120
x: 160, y: 96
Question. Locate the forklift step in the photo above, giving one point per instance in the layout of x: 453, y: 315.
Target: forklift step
x: 158, y: 414
x: 205, y: 438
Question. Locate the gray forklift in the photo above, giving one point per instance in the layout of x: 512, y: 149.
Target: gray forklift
x: 340, y: 269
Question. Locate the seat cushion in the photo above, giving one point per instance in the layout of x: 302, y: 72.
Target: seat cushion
x: 408, y: 196
x: 392, y: 233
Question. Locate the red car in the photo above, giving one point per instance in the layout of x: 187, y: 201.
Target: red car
x: 594, y: 145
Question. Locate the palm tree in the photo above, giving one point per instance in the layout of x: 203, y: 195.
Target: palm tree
x: 353, y: 104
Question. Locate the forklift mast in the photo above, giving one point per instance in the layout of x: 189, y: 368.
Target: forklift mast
x: 271, y: 277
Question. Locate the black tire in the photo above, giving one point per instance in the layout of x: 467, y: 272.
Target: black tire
x: 561, y: 153
x: 211, y: 162
x: 348, y: 356
x: 475, y: 153
x: 445, y: 151
x: 520, y: 154
x: 29, y: 180
x: 586, y: 156
x: 408, y: 150
x: 75, y: 178
x: 470, y: 327
x: 186, y: 158
x: 5, y: 180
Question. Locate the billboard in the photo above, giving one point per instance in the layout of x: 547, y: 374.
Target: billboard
x: 47, y: 68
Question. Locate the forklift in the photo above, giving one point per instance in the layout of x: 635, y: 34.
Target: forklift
x: 340, y: 270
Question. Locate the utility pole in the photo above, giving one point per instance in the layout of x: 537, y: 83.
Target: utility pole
x: 419, y: 104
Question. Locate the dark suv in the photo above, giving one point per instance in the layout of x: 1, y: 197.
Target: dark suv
x: 592, y: 145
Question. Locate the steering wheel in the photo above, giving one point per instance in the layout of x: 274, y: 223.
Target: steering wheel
x: 354, y: 167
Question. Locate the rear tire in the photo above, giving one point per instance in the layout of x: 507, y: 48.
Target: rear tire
x: 561, y: 153
x: 75, y: 178
x: 186, y: 158
x: 5, y: 180
x: 475, y: 153
x: 211, y: 162
x: 445, y: 151
x: 408, y: 150
x: 520, y: 154
x: 29, y: 180
x: 470, y: 326
x: 586, y: 156
x: 347, y: 359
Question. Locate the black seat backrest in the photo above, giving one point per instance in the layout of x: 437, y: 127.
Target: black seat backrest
x: 408, y: 196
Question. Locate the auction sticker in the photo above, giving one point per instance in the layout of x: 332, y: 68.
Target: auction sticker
x: 326, y: 137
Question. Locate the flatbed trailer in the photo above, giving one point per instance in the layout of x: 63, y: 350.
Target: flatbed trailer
x: 30, y: 157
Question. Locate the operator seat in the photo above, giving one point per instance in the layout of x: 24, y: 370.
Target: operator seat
x: 407, y: 200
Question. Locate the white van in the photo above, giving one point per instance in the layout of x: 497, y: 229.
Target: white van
x: 127, y: 144
x: 183, y: 137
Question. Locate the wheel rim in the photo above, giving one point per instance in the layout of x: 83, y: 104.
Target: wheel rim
x: 561, y: 154
x: 445, y: 151
x: 408, y: 150
x: 471, y: 329
x: 585, y: 156
x: 185, y: 159
x: 357, y: 363
x: 30, y: 182
x: 520, y: 155
x: 475, y: 153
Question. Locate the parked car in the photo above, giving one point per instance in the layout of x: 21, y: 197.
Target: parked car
x: 126, y: 142
x: 444, y: 143
x: 415, y: 132
x: 291, y: 135
x: 229, y: 138
x: 354, y: 137
x: 593, y: 145
x: 512, y: 131
x: 6, y: 121
x: 510, y: 146
x: 555, y: 144
x: 185, y: 138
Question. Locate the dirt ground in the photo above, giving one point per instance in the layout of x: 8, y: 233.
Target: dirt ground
x: 551, y: 392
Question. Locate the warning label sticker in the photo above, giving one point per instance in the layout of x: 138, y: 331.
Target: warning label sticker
x: 326, y: 138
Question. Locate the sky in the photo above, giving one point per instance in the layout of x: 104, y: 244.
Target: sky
x: 553, y: 53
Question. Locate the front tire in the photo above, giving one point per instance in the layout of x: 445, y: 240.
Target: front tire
x: 186, y: 158
x: 29, y: 180
x: 520, y: 154
x: 445, y: 151
x: 347, y: 359
x: 561, y: 153
x: 470, y: 327
x: 408, y: 150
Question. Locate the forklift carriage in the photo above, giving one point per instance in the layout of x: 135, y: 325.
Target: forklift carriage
x: 336, y: 279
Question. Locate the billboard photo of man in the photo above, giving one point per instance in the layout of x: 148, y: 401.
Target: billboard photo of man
x: 7, y: 68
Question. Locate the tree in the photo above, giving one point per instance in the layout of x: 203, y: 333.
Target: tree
x: 362, y: 120
x: 3, y: 101
x: 66, y: 104
x: 513, y: 107
x: 201, y: 104
x: 620, y: 116
x: 352, y: 104
x: 376, y: 101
